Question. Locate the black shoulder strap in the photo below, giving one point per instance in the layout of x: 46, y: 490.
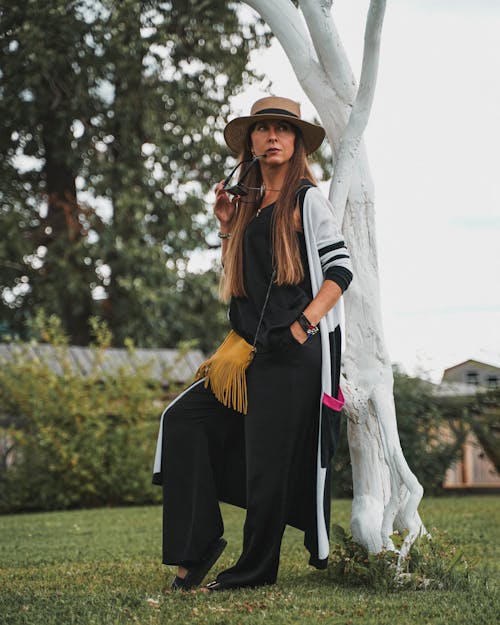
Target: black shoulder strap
x: 301, y: 194
x: 263, y: 309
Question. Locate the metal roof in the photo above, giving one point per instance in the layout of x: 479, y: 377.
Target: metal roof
x: 165, y: 364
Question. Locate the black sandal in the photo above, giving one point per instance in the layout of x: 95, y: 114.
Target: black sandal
x: 216, y: 586
x: 197, y: 572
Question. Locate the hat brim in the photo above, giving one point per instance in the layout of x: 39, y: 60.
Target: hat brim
x: 236, y: 130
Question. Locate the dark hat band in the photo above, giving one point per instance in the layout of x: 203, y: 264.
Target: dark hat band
x: 276, y: 112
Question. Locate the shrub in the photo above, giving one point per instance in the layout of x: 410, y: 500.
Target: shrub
x: 73, y: 441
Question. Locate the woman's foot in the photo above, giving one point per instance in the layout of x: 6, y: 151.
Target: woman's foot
x: 216, y: 586
x: 219, y: 586
x: 181, y: 572
x: 197, y: 572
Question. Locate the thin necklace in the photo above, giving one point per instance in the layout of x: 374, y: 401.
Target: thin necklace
x: 263, y: 190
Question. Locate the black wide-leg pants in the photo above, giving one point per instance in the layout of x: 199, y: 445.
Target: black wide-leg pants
x: 264, y: 461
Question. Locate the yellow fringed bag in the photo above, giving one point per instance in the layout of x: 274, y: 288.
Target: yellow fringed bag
x: 225, y: 372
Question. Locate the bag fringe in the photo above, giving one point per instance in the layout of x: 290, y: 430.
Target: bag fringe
x: 225, y: 371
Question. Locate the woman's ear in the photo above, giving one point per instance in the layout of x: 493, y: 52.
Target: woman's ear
x: 249, y: 145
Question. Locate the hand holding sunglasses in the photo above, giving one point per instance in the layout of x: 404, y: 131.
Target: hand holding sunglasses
x: 239, y: 188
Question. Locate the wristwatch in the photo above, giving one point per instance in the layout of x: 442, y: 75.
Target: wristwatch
x: 309, y: 328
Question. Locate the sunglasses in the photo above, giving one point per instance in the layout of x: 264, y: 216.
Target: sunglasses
x: 239, y: 188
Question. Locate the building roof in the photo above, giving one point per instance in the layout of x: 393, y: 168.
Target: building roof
x: 473, y: 363
x: 170, y: 365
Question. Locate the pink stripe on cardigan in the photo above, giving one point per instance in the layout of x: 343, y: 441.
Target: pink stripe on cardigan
x: 335, y: 404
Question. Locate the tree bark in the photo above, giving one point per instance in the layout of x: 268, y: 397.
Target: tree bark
x: 386, y: 493
x: 62, y: 204
x: 127, y: 165
x: 61, y: 232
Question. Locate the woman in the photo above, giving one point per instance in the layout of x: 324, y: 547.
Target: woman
x: 285, y: 261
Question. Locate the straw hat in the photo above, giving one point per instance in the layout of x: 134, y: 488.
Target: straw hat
x: 273, y: 107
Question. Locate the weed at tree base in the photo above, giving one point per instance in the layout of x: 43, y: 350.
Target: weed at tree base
x: 434, y: 563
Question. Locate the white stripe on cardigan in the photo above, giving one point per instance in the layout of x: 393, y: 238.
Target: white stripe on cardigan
x: 320, y: 230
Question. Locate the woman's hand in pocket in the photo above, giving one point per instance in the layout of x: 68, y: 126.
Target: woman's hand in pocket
x: 298, y: 333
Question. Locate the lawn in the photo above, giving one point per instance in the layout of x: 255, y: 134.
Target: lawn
x: 103, y: 567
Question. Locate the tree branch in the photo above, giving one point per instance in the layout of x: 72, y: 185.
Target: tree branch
x: 329, y: 48
x: 358, y: 119
x: 8, y: 264
x: 285, y: 22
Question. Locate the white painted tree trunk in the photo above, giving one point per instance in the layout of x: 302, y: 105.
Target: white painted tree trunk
x: 386, y: 493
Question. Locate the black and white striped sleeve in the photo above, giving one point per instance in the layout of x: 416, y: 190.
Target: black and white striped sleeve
x: 334, y: 256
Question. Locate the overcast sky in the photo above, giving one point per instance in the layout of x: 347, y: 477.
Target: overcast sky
x: 433, y: 144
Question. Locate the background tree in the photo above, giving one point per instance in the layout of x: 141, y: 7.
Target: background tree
x: 480, y: 414
x: 111, y: 135
x: 485, y: 423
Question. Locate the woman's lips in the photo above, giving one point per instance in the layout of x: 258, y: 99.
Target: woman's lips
x: 272, y: 151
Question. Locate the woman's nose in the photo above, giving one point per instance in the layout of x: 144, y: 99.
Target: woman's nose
x: 271, y: 135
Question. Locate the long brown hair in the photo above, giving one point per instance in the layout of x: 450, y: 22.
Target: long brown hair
x: 285, y: 247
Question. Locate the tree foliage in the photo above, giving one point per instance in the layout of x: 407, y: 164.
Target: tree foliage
x: 481, y: 413
x: 112, y: 115
x: 486, y: 424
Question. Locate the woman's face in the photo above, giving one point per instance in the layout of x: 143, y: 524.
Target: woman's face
x: 275, y: 139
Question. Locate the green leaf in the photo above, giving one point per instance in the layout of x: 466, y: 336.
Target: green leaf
x: 338, y: 534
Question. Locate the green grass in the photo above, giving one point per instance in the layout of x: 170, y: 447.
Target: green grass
x: 103, y: 567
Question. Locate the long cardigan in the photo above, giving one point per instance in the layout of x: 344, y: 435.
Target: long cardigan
x: 325, y: 249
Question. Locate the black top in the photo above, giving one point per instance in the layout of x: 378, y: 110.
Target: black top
x: 286, y: 302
